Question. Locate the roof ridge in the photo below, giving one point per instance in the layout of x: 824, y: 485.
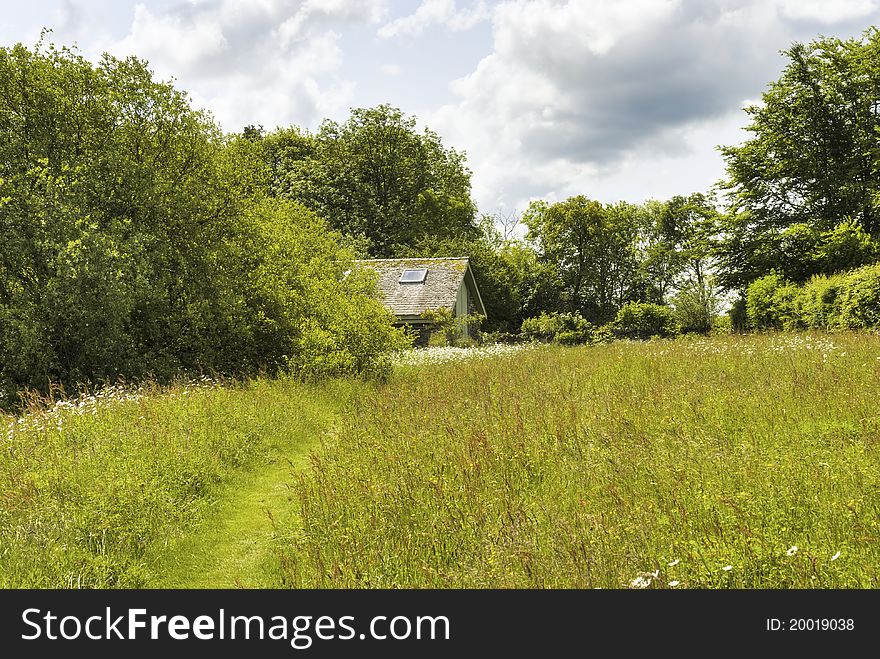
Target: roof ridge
x: 418, y: 258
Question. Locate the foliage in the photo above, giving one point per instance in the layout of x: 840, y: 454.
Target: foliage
x: 374, y: 177
x: 810, y: 166
x: 593, y: 249
x: 739, y: 319
x: 643, y: 320
x: 848, y: 300
x: 322, y: 313
x: 678, y: 249
x: 770, y: 303
x: 695, y: 307
x: 134, y: 239
x: 566, y: 328
x: 452, y: 327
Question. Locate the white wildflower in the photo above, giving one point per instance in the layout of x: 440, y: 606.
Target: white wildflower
x: 641, y: 581
x: 727, y: 568
x: 445, y: 354
x: 792, y: 550
x: 673, y: 584
x: 674, y: 563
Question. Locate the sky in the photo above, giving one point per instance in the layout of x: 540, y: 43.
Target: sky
x: 615, y: 100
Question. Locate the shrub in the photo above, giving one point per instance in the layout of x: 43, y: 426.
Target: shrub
x: 849, y: 300
x: 564, y: 328
x: 695, y: 305
x: 859, y: 304
x: 448, y: 329
x: 642, y: 320
x: 818, y: 302
x: 721, y: 325
x: 602, y: 335
x: 770, y: 303
x: 739, y: 320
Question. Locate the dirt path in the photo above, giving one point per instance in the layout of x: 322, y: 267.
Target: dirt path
x: 233, y: 548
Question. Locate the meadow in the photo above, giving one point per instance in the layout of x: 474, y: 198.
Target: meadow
x: 712, y: 462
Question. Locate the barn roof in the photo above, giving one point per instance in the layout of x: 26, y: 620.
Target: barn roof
x: 438, y: 290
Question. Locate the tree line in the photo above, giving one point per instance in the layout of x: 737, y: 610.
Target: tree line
x: 138, y: 239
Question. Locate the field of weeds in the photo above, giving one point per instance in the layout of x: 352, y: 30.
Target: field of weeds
x: 96, y: 492
x: 730, y: 462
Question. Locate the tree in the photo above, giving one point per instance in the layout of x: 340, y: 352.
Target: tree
x: 812, y: 160
x: 594, y: 250
x: 377, y: 177
x: 135, y: 240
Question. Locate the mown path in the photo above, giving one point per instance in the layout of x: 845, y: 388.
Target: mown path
x: 233, y: 547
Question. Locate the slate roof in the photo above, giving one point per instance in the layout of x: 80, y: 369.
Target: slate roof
x: 439, y: 290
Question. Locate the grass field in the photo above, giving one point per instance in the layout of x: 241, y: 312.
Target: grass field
x: 742, y: 461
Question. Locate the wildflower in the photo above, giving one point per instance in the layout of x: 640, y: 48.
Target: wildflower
x: 673, y: 584
x: 792, y: 550
x: 641, y: 581
x: 837, y: 555
x: 674, y: 563
x: 727, y: 568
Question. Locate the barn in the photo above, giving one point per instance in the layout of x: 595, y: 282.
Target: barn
x: 410, y: 287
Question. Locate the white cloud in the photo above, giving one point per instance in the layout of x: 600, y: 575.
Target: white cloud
x: 435, y: 12
x: 267, y: 62
x: 827, y: 12
x: 391, y: 69
x: 576, y: 97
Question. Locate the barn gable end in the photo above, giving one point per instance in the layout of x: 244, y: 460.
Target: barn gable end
x: 447, y: 283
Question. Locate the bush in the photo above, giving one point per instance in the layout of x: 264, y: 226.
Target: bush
x: 563, y: 328
x: 448, y: 329
x: 642, y: 320
x: 849, y: 300
x: 817, y: 303
x: 770, y: 303
x: 695, y: 306
x: 602, y: 335
x: 859, y: 304
x: 739, y: 320
x: 721, y: 325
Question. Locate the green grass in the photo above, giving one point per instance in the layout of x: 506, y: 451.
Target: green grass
x: 591, y: 467
x: 553, y: 467
x: 168, y: 490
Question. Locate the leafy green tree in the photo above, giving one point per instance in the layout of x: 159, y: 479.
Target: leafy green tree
x: 134, y: 239
x: 375, y: 177
x: 594, y: 250
x: 812, y: 160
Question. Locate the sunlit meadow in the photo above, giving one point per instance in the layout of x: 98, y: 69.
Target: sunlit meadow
x: 738, y: 461
x: 747, y: 462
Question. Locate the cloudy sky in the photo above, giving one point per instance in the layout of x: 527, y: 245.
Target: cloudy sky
x: 612, y: 99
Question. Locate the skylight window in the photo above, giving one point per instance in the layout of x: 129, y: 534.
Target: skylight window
x: 413, y: 276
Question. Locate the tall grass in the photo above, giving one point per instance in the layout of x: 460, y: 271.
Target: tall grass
x: 725, y: 462
x: 91, y: 494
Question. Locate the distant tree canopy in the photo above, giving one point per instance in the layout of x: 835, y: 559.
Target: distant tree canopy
x: 804, y: 190
x: 134, y: 240
x: 594, y: 249
x: 599, y: 257
x: 375, y: 178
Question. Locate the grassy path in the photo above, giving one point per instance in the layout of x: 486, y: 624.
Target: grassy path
x: 232, y: 548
